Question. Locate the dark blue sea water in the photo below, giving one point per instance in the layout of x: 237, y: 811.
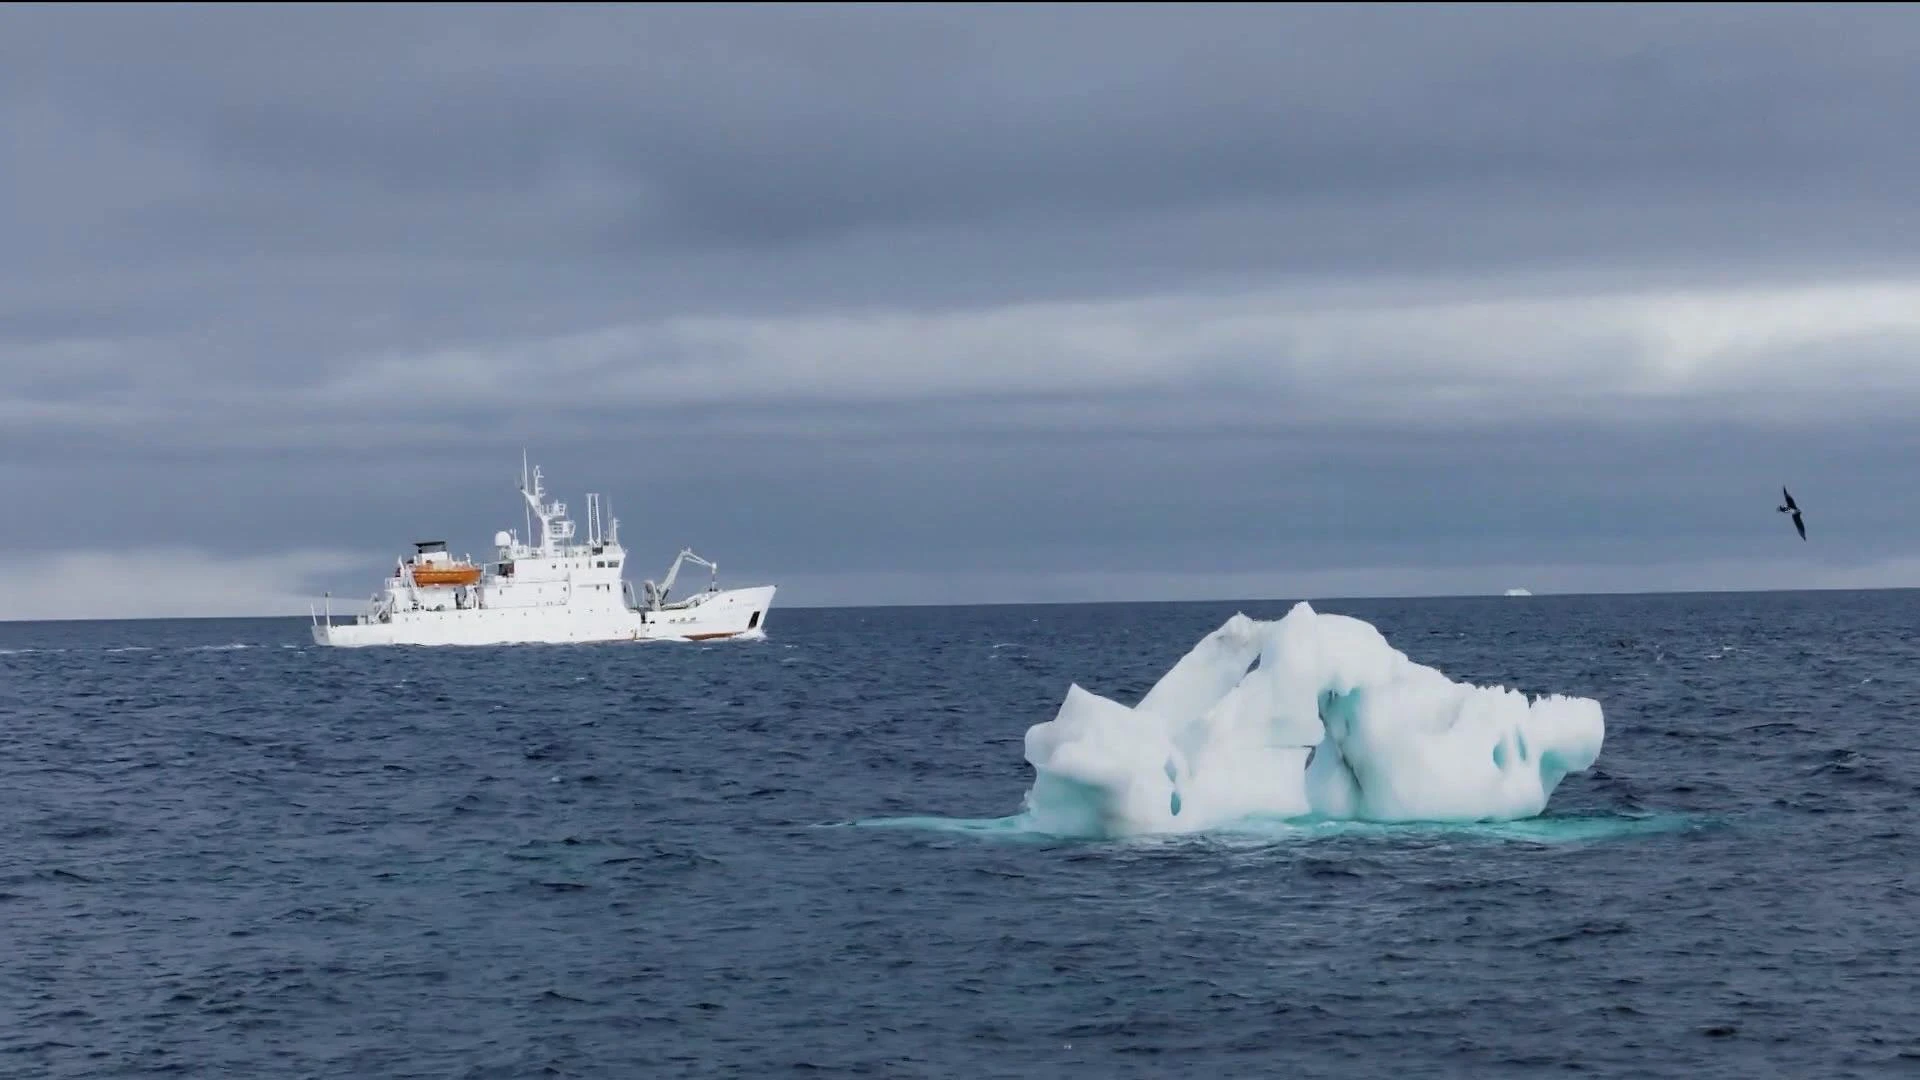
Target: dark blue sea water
x: 225, y: 852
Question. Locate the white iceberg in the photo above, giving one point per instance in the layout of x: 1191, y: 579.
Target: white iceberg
x: 1330, y: 723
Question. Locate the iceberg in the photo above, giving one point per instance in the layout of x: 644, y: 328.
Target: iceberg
x: 1312, y: 716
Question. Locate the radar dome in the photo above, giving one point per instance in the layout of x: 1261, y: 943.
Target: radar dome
x: 502, y: 539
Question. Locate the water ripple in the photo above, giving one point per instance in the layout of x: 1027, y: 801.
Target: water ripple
x: 227, y: 852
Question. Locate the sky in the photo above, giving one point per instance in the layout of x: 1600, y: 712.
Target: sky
x: 928, y: 304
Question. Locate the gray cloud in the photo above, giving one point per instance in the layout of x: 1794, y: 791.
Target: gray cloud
x: 1131, y: 293
x: 563, y: 134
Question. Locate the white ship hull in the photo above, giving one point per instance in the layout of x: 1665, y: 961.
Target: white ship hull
x: 728, y: 614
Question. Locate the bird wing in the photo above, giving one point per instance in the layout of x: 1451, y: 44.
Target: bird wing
x: 1800, y: 525
x: 1789, y: 498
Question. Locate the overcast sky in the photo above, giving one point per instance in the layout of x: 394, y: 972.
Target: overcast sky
x: 926, y: 304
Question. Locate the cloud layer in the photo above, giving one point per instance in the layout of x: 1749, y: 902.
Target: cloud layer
x: 1055, y: 294
x: 165, y: 584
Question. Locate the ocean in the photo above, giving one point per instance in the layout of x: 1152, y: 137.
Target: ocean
x: 224, y: 852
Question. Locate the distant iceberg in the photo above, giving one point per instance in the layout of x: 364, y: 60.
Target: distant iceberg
x: 1518, y: 592
x: 1311, y: 716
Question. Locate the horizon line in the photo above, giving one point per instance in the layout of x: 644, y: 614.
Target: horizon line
x: 4, y: 621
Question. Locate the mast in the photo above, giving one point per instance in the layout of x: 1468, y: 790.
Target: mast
x: 555, y: 528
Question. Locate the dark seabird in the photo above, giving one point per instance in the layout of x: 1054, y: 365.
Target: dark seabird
x: 1790, y: 508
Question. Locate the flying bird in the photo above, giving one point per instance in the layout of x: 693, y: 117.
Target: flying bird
x: 1790, y: 508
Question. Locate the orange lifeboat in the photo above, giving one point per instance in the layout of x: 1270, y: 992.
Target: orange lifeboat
x: 446, y: 574
x: 431, y: 566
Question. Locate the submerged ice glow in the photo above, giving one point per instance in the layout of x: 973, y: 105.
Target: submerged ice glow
x: 1309, y: 716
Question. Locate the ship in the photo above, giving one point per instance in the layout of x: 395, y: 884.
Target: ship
x: 554, y: 587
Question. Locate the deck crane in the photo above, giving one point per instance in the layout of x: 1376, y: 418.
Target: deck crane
x: 656, y: 595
